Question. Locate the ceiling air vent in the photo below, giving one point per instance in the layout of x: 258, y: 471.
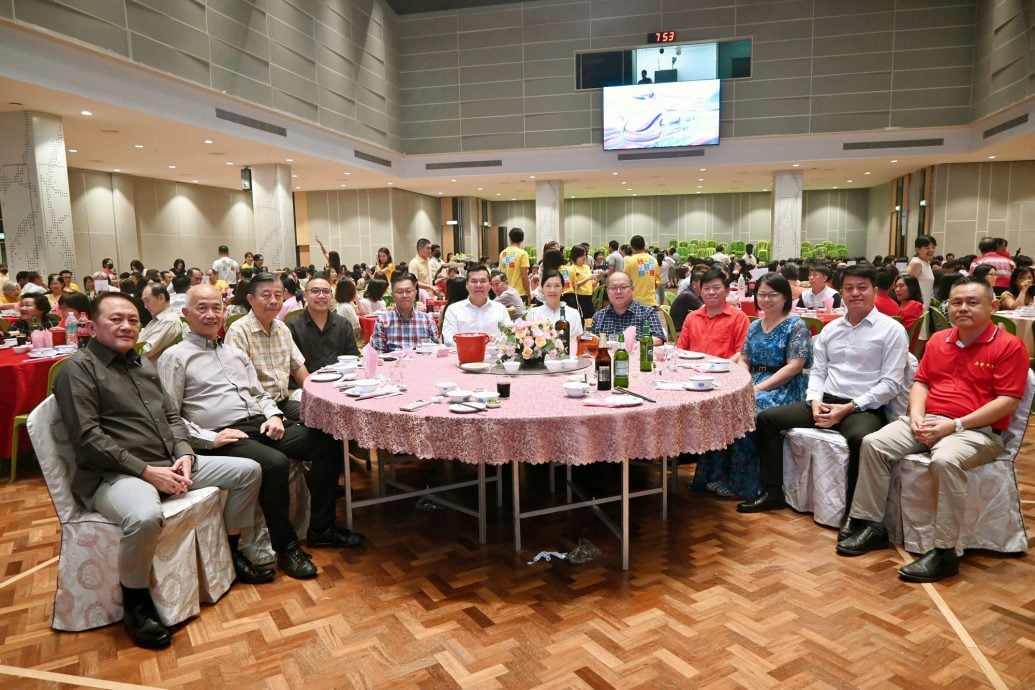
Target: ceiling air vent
x: 651, y: 155
x: 250, y: 122
x: 371, y: 158
x: 1003, y: 126
x: 897, y: 144
x: 463, y: 164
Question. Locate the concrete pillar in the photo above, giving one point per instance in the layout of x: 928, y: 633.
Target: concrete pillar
x: 34, y: 195
x: 549, y: 212
x: 274, y: 212
x: 787, y: 199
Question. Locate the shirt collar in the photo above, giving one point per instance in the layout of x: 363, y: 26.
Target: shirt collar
x: 106, y: 355
x: 988, y: 335
x: 203, y: 342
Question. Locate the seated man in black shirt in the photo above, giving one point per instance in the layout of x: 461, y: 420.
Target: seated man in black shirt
x: 132, y: 450
x: 687, y: 301
x: 320, y: 334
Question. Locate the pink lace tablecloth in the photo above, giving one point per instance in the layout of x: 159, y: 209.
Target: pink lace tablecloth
x: 537, y: 423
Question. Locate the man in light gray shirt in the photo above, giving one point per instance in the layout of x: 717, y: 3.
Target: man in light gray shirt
x: 224, y: 406
x: 506, y: 295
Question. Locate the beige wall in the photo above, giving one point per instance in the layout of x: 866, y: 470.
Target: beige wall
x: 156, y: 221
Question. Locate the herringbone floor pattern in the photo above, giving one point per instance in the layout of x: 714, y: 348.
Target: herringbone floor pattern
x: 712, y: 599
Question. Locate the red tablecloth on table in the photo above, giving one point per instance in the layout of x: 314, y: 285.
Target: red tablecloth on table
x: 747, y: 305
x: 24, y: 387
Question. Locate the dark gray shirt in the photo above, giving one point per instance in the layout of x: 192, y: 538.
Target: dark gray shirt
x: 118, y: 417
x: 322, y: 347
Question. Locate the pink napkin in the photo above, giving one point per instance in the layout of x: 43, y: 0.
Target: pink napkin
x: 631, y: 344
x: 370, y: 360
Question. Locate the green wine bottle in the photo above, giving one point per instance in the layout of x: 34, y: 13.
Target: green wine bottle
x: 621, y: 364
x: 646, y: 348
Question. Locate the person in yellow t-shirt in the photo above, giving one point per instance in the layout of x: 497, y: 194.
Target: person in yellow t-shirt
x: 644, y: 272
x: 514, y: 264
x: 582, y: 280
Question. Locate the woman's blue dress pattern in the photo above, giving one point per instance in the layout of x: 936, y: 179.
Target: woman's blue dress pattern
x: 790, y: 339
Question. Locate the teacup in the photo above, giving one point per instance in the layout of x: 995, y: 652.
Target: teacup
x: 367, y: 385
x: 718, y: 365
x: 445, y: 386
x: 511, y: 367
x: 486, y: 396
x: 570, y: 363
x: 458, y: 395
x: 701, y: 383
x: 554, y: 365
x: 348, y: 359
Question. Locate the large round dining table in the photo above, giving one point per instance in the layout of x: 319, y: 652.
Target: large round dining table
x: 25, y: 386
x: 537, y: 423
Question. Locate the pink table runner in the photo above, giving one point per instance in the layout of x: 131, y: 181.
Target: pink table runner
x: 537, y: 423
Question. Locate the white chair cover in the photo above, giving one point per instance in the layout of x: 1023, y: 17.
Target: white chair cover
x: 815, y: 462
x: 192, y: 563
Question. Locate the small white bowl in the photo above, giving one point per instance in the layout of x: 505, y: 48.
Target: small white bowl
x: 574, y: 389
x: 511, y: 367
x: 459, y: 395
x: 554, y: 365
x: 367, y: 385
x: 445, y: 386
x: 718, y: 365
x: 21, y: 349
x: 348, y: 359
x: 570, y: 363
x: 485, y: 396
x: 701, y: 383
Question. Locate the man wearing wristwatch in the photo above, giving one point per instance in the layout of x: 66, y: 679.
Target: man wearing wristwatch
x: 132, y: 450
x: 225, y: 407
x: 968, y: 386
x: 859, y: 364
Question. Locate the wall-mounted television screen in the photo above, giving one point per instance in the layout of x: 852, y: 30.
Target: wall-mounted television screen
x: 645, y: 116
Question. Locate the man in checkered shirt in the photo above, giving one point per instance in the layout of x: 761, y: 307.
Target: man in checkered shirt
x: 403, y: 328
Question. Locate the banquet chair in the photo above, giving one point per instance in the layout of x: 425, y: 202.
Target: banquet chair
x: 20, y: 420
x: 192, y: 563
x: 992, y: 519
x: 815, y: 462
x: 815, y: 325
x: 1004, y: 324
x: 4, y: 326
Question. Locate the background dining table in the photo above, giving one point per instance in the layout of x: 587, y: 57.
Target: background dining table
x: 24, y: 387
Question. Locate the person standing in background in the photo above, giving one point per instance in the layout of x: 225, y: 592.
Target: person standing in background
x: 514, y: 264
x: 227, y: 269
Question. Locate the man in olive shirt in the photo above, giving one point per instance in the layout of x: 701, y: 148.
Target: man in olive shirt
x: 320, y: 334
x: 132, y: 450
x: 217, y: 391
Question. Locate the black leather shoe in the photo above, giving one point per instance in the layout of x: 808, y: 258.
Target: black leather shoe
x: 251, y: 574
x: 333, y: 536
x: 848, y: 528
x: 872, y: 536
x: 143, y: 626
x: 293, y: 562
x: 768, y: 500
x: 936, y: 564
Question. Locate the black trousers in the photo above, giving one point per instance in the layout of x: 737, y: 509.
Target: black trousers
x: 301, y: 443
x: 799, y: 415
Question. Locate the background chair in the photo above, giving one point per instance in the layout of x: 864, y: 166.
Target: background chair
x: 193, y: 559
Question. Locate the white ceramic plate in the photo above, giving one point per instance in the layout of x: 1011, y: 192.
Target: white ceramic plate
x: 700, y: 390
x: 685, y: 354
x: 467, y: 408
x: 623, y: 400
x: 476, y: 366
x: 325, y: 376
x: 353, y: 392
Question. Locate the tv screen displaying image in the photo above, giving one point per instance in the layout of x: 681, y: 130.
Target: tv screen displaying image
x: 645, y: 116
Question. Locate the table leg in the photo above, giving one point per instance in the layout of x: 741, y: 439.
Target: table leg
x: 481, y: 503
x: 625, y: 514
x: 348, y: 489
x: 517, y: 505
x: 377, y: 471
x: 499, y: 486
x: 664, y: 488
x: 567, y: 480
x: 551, y: 467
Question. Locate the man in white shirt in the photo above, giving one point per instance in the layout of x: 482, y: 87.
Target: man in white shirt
x: 477, y: 313
x: 227, y: 268
x: 820, y: 290
x: 615, y: 261
x: 164, y: 327
x: 720, y: 257
x: 859, y: 364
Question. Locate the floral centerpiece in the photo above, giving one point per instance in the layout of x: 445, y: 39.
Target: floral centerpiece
x: 529, y: 342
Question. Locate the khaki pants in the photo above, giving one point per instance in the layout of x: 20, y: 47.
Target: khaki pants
x: 951, y: 457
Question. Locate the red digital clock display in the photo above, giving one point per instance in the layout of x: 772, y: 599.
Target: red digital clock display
x: 661, y: 37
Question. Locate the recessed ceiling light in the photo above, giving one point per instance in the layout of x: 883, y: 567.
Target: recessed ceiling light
x: 497, y: 193
x: 700, y: 179
x: 73, y: 150
x: 894, y: 160
x: 796, y: 165
x: 614, y: 173
x: 117, y: 170
x: 344, y: 185
x: 866, y: 173
x: 440, y: 193
x: 452, y: 180
x: 991, y: 158
x: 835, y: 187
x: 635, y: 195
x: 703, y: 169
x: 513, y: 199
x: 294, y: 176
x: 194, y: 181
x: 480, y: 189
x: 85, y: 113
x: 289, y: 160
x: 138, y: 146
x: 700, y: 186
x: 172, y: 167
x: 531, y: 177
x: 229, y: 162
x: 208, y: 141
x: 850, y: 181
x: 347, y: 172
x: 390, y: 184
x: 297, y: 187
x: 698, y: 192
x: 624, y: 182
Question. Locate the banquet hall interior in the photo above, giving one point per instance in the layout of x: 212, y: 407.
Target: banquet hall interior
x: 136, y: 129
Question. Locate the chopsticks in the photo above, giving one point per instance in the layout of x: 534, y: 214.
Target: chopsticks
x: 635, y: 395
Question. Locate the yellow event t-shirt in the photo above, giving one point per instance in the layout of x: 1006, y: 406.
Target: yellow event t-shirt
x: 643, y: 271
x: 512, y: 260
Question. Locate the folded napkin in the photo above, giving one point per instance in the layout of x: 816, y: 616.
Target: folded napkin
x: 613, y: 401
x: 669, y: 385
x: 383, y: 390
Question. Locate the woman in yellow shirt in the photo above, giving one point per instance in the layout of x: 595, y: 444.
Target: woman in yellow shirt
x: 582, y: 280
x: 57, y: 288
x: 384, y: 267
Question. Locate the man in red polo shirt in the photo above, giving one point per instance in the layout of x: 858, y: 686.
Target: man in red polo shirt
x: 718, y: 328
x: 996, y: 252
x: 966, y: 390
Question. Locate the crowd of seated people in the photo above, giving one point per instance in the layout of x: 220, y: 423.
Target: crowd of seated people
x: 232, y: 418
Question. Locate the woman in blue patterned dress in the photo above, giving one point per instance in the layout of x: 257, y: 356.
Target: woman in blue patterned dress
x: 777, y: 350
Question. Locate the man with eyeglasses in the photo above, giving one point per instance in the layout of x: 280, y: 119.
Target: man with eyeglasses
x: 477, y: 313
x: 505, y: 295
x: 859, y: 367
x: 717, y: 328
x: 320, y: 334
x: 403, y: 327
x: 622, y: 311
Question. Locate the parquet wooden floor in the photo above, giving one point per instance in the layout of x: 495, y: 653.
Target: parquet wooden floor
x: 712, y: 599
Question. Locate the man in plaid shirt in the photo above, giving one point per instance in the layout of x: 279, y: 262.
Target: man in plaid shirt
x: 622, y: 311
x: 403, y: 328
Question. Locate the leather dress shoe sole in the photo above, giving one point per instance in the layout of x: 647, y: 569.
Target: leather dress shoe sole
x: 931, y: 567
